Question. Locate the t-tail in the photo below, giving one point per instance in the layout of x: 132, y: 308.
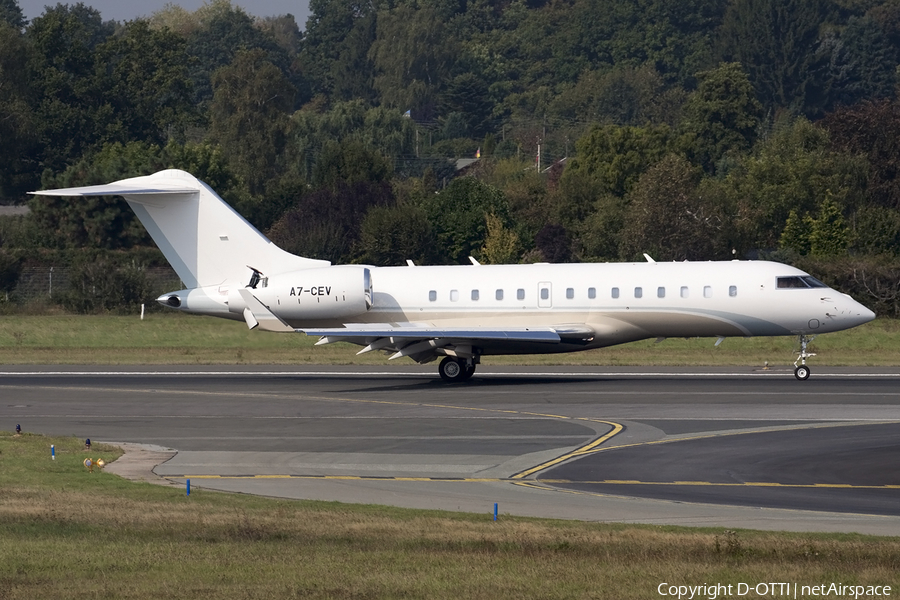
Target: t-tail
x: 212, y: 248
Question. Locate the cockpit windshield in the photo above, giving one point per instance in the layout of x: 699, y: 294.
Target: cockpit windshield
x: 799, y: 282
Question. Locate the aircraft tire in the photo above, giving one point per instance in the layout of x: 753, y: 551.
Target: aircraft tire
x: 452, y: 370
x: 470, y: 370
x: 802, y: 373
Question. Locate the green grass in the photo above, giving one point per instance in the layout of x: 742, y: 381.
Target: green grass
x: 66, y: 533
x: 183, y: 339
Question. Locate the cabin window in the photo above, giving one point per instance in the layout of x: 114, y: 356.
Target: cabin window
x: 707, y: 291
x: 520, y: 294
x: 732, y: 290
x: 570, y: 293
x: 545, y: 293
x: 592, y: 293
x: 684, y: 291
x: 432, y: 296
x: 498, y: 294
x: 638, y: 292
x: 615, y: 292
x: 475, y: 294
x: 660, y: 292
x: 454, y: 295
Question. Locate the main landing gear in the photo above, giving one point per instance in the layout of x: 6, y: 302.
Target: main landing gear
x: 801, y: 371
x: 454, y: 370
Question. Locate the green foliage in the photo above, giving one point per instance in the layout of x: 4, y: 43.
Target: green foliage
x: 249, y: 112
x: 348, y: 163
x: 11, y: 14
x: 615, y: 157
x: 391, y: 235
x: 413, y: 55
x: 721, y: 117
x: 872, y: 129
x: 459, y: 215
x: 828, y: 235
x: 776, y: 41
x: 877, y: 231
x: 11, y: 263
x: 501, y: 246
x: 225, y: 31
x: 68, y: 113
x: 668, y: 218
x: 792, y: 170
x: 100, y: 282
x: 17, y: 120
x: 326, y: 223
x: 146, y: 93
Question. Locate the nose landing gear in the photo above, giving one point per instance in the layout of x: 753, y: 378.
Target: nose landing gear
x: 801, y: 371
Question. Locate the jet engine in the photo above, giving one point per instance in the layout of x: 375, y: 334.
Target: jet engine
x: 337, y: 292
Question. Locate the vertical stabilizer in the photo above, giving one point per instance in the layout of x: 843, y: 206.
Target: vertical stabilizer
x: 204, y: 239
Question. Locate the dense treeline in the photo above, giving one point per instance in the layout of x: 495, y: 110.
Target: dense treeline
x: 702, y: 129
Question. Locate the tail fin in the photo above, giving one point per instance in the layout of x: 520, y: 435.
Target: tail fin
x: 204, y: 239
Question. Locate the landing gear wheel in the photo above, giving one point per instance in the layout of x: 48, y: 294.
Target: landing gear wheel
x: 801, y: 371
x: 470, y: 370
x: 453, y: 370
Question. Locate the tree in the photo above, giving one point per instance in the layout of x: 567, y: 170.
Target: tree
x: 872, y: 129
x: 11, y: 14
x: 667, y: 217
x: 349, y: 162
x: 142, y: 80
x: 68, y: 113
x: 337, y: 40
x: 459, y: 215
x: 615, y: 157
x: 326, y: 223
x: 413, y: 55
x: 501, y: 245
x: 18, y: 160
x: 794, y: 169
x: 776, y: 41
x: 721, y: 117
x: 391, y: 235
x: 249, y: 116
x: 553, y: 243
x: 224, y: 32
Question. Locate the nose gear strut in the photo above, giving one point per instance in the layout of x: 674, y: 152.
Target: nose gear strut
x: 801, y: 371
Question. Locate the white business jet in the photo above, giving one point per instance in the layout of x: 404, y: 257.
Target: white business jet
x: 461, y: 313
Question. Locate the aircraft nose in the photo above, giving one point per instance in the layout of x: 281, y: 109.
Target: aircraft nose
x: 859, y: 314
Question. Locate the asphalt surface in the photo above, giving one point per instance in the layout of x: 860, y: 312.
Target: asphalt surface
x: 714, y: 447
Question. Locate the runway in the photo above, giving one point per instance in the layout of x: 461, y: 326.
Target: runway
x: 713, y: 447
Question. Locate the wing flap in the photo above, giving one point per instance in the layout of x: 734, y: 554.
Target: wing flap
x: 410, y: 334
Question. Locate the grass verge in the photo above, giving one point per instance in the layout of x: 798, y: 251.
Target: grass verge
x: 66, y: 533
x: 183, y: 339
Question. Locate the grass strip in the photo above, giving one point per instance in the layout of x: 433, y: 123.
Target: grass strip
x: 176, y: 339
x: 66, y: 533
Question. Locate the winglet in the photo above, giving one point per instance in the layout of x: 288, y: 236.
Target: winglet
x: 256, y: 313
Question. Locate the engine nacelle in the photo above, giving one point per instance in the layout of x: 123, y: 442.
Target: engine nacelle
x: 313, y: 294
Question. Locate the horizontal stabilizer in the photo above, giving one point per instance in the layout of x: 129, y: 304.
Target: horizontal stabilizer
x: 119, y: 189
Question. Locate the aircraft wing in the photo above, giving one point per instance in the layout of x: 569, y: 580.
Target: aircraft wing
x: 425, y: 343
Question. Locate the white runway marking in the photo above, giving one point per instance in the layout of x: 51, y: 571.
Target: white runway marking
x: 338, y: 374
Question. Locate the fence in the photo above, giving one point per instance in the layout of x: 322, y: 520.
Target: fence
x: 47, y: 283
